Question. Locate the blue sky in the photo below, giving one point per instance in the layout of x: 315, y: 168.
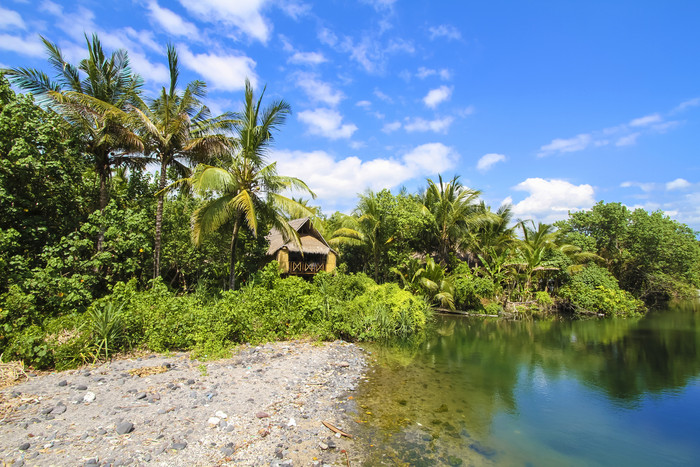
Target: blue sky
x: 549, y: 105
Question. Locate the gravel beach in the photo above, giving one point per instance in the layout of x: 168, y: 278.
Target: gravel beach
x: 263, y: 406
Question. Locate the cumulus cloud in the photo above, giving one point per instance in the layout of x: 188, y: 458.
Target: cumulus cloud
x: 171, y: 21
x: 446, y: 31
x: 559, y: 145
x: 489, y: 160
x: 327, y: 123
x: 307, y: 58
x: 363, y: 104
x: 424, y: 72
x: 244, y: 15
x: 550, y: 200
x: 436, y: 96
x: 10, y: 19
x: 678, y: 184
x: 439, y: 125
x: 227, y: 72
x: 317, y: 90
x: 339, y: 180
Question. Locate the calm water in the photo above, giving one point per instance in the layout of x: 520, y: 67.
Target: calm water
x: 490, y: 392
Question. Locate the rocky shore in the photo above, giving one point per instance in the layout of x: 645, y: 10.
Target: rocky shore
x: 264, y: 406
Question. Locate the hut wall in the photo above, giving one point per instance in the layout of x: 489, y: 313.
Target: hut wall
x: 283, y: 260
x: 330, y: 262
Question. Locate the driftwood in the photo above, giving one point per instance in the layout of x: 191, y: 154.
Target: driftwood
x: 332, y: 428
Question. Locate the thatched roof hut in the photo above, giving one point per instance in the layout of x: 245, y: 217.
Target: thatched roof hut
x: 314, y: 255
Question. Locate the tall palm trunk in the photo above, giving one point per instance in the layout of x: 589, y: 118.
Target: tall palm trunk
x: 234, y: 242
x: 159, y: 218
x: 103, y: 171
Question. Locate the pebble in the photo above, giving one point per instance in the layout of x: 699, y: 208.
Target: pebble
x: 89, y: 397
x: 221, y: 414
x: 213, y: 420
x: 262, y: 415
x: 124, y: 428
x: 81, y: 387
x: 62, y: 383
x: 59, y: 409
x: 24, y: 446
x: 179, y: 446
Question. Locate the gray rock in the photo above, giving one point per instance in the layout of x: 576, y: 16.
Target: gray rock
x: 141, y: 395
x: 81, y: 387
x: 190, y: 382
x: 323, y: 445
x: 62, y: 383
x: 179, y: 446
x: 46, y: 410
x: 227, y: 451
x: 124, y: 428
x: 24, y: 446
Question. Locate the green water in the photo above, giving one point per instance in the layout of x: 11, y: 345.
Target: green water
x: 548, y: 393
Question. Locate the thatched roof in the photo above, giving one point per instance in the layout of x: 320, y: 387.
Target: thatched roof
x: 312, y: 242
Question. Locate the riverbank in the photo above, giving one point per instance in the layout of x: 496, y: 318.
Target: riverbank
x: 263, y: 406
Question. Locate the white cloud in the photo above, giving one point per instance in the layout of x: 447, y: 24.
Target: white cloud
x: 446, y: 31
x: 293, y: 9
x: 489, y: 160
x: 339, y: 180
x: 307, y: 58
x: 226, y: 72
x: 678, y: 184
x: 439, y: 125
x: 628, y: 140
x: 327, y: 123
x: 10, y: 18
x: 383, y: 96
x: 380, y: 4
x: 645, y: 187
x: 645, y: 121
x: 171, y: 22
x: 244, y: 15
x: 391, y: 127
x: 551, y: 200
x: 327, y: 37
x: 30, y: 46
x: 363, y: 104
x: 687, y: 104
x: 577, y: 143
x: 317, y: 90
x: 436, y: 96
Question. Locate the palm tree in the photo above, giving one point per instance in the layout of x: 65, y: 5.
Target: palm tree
x: 245, y: 187
x: 176, y: 129
x: 455, y: 213
x: 366, y: 228
x: 92, y: 97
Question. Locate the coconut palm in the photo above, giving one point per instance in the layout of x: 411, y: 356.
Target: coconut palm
x: 177, y: 129
x: 366, y: 228
x: 243, y: 187
x: 455, y: 213
x: 92, y: 97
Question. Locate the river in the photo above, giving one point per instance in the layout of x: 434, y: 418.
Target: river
x: 484, y: 391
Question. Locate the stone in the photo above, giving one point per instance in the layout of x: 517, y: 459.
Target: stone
x: 81, y: 387
x: 59, y: 409
x: 89, y: 397
x: 323, y: 445
x: 24, y: 446
x: 213, y: 420
x: 262, y: 415
x: 190, y: 382
x: 124, y: 428
x: 62, y: 383
x: 141, y: 395
x: 179, y: 446
x: 221, y: 414
x: 291, y: 423
x: 46, y: 410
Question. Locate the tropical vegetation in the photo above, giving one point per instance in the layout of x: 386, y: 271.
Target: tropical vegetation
x: 100, y: 255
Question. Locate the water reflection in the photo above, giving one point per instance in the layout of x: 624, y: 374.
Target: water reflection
x: 488, y: 391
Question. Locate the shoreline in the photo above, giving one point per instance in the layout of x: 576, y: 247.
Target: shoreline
x: 263, y: 406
